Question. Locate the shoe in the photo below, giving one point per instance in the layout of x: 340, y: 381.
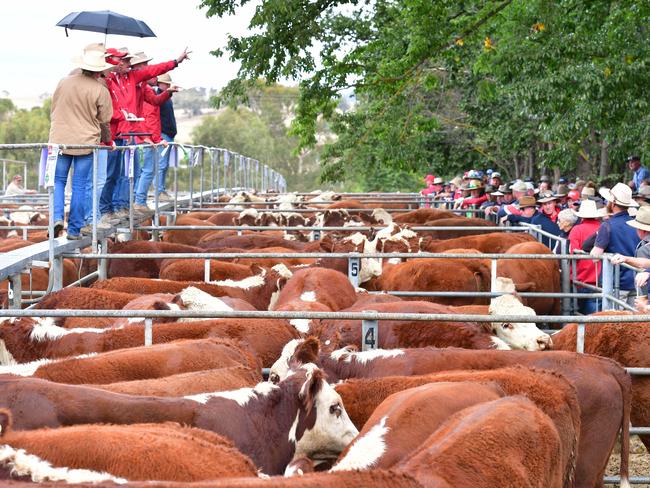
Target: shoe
x: 165, y: 197
x: 142, y: 211
x: 108, y: 220
x: 58, y: 228
x: 72, y: 237
x: 123, y: 213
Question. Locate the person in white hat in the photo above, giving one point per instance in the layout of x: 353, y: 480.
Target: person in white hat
x: 615, y: 236
x: 586, y: 271
x: 80, y: 104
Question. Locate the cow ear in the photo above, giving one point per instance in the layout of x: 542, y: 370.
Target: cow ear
x: 307, y: 351
x: 160, y: 305
x: 5, y: 421
x: 310, y: 388
x: 177, y: 300
x: 527, y: 286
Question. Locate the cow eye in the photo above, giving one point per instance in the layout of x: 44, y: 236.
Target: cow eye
x: 336, y: 409
x: 507, y: 326
x: 274, y: 378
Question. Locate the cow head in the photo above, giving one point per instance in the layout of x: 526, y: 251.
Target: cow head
x: 246, y: 217
x: 518, y: 335
x: 322, y: 428
x: 397, y: 239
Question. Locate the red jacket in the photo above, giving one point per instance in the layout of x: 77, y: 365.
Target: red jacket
x: 122, y: 88
x: 149, y: 108
x: 586, y: 269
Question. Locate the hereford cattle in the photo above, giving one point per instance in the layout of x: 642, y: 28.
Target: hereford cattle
x: 533, y: 275
x: 269, y: 262
x: 626, y: 343
x: 29, y: 339
x: 369, y: 400
x: 302, y: 416
x: 456, y: 222
x: 85, y: 299
x: 602, y: 385
x: 494, y: 242
x: 422, y: 215
x: 406, y: 418
x: 119, y: 451
x: 485, y: 445
x: 253, y: 240
x: 194, y: 270
x: 325, y: 286
x: 142, y: 268
x: 188, y: 237
x: 221, y: 379
x: 455, y: 274
x: 420, y: 333
x: 38, y: 279
x: 139, y: 362
x: 222, y: 218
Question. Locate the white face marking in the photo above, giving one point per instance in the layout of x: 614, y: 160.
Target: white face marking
x: 365, y: 450
x: 332, y: 431
x: 518, y: 335
x: 365, y: 356
x: 301, y: 325
x: 28, y: 369
x: 282, y: 270
x: 505, y: 285
x: 196, y: 299
x: 248, y: 212
x: 22, y: 464
x: 357, y: 239
x: 245, y: 284
x: 381, y: 215
x: 242, y: 396
x: 499, y: 344
x: 6, y: 358
x: 308, y: 296
x: 44, y: 329
x: 281, y: 366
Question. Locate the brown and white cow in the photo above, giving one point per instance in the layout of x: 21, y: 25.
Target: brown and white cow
x: 315, y: 284
x: 302, y: 416
x: 485, y: 446
x: 143, y: 268
x: 494, y: 242
x: 602, y: 385
x: 92, y: 453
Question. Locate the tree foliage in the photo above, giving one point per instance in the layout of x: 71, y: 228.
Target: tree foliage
x: 522, y: 85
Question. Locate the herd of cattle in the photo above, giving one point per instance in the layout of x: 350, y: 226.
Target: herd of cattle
x: 439, y: 404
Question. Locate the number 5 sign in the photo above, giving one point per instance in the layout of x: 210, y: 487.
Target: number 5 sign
x: 353, y: 271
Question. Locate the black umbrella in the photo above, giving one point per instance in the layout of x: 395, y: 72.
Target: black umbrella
x: 107, y: 22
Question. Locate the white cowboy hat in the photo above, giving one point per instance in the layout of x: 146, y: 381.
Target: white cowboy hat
x: 164, y: 78
x: 588, y: 210
x: 92, y: 60
x: 642, y: 219
x: 140, y: 57
x: 437, y: 180
x: 621, y: 195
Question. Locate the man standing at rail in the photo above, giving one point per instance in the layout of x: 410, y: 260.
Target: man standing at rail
x: 616, y: 236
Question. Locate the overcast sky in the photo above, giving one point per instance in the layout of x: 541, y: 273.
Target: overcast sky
x: 35, y: 54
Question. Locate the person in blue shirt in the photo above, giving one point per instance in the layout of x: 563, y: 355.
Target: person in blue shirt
x: 639, y: 173
x: 545, y: 218
x: 616, y: 236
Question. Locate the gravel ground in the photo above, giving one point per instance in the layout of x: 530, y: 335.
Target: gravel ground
x: 639, y: 460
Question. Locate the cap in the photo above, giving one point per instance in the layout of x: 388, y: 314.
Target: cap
x: 496, y: 174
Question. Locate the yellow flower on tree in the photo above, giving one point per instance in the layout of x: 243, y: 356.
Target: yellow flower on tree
x: 539, y: 27
x: 487, y: 44
x: 459, y: 42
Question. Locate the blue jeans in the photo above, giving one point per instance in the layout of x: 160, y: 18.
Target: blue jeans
x: 121, y: 194
x: 163, y: 164
x: 102, y: 159
x: 82, y: 166
x: 146, y: 176
x: 587, y: 306
x: 114, y: 167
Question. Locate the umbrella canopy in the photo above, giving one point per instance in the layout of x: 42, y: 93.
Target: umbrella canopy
x: 106, y: 22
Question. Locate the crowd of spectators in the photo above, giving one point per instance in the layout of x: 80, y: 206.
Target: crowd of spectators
x: 594, y: 220
x: 113, y: 98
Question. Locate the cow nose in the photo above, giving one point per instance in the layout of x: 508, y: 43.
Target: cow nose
x: 544, y: 342
x: 274, y: 378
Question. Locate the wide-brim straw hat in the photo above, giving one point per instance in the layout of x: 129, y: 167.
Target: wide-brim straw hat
x: 164, y: 78
x: 641, y: 220
x: 587, y: 192
x: 527, y: 201
x: 519, y: 186
x: 620, y: 195
x: 139, y: 58
x: 546, y: 196
x: 92, y: 61
x: 588, y: 210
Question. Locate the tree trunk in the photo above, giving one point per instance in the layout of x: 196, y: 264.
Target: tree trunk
x: 604, y: 158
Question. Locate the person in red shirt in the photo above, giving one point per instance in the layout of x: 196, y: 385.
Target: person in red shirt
x: 587, y: 271
x: 122, y: 86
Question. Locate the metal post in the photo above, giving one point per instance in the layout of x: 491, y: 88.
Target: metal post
x: 95, y: 200
x: 132, y: 163
x: 219, y: 161
x: 617, y: 281
x: 201, y: 173
x: 25, y: 176
x: 4, y: 175
x: 57, y: 269
x: 213, y: 155
x: 148, y: 332
x: 370, y: 335
x: 102, y: 264
x: 608, y: 282
x: 15, y: 291
x: 155, y: 235
x: 353, y: 270
x: 566, y: 279
x: 175, y: 193
x: 580, y: 336
x: 206, y: 270
x: 191, y: 165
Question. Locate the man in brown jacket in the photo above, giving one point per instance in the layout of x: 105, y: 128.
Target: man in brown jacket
x: 80, y: 104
